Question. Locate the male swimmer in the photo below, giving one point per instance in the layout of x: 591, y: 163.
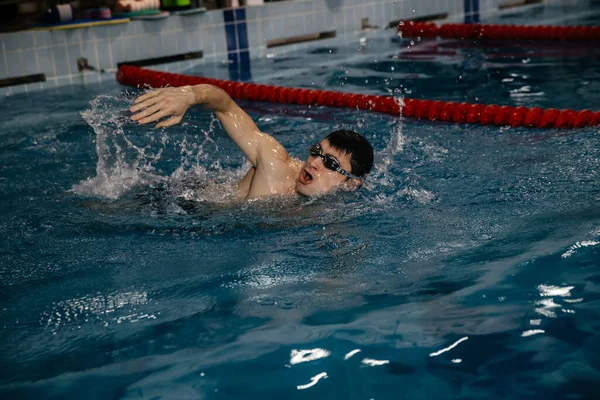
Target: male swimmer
x: 341, y: 160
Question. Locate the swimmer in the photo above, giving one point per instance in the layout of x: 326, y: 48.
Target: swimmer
x: 341, y: 160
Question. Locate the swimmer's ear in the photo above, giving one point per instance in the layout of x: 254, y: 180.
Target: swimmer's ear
x: 352, y: 184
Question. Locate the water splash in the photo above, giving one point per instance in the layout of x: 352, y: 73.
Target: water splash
x: 121, y: 164
x: 397, y: 139
x: 384, y: 177
x: 132, y: 156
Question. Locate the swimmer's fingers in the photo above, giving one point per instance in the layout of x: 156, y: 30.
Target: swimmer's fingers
x: 155, y: 117
x: 148, y: 95
x: 148, y: 111
x: 169, y: 122
x: 146, y: 103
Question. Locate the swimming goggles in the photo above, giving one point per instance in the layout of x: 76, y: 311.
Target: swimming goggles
x: 329, y: 161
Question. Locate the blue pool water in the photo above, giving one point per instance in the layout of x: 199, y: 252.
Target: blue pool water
x: 466, y: 268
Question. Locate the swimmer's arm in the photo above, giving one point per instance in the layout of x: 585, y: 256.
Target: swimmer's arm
x: 239, y: 126
x: 174, y: 102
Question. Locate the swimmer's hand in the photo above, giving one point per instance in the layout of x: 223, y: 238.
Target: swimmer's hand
x: 161, y: 103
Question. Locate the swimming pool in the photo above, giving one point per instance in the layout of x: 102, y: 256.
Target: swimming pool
x: 465, y: 268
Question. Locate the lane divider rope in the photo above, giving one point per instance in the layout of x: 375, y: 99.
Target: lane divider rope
x: 499, y: 32
x: 423, y: 109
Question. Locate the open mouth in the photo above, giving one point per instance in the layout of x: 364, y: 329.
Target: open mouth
x: 305, y: 178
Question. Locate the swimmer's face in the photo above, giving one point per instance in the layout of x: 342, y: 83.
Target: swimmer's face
x: 314, y: 178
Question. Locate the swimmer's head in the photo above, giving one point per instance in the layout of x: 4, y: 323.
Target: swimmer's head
x: 342, y: 159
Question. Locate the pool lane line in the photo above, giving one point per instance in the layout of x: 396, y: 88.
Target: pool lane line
x: 500, y: 32
x: 462, y: 113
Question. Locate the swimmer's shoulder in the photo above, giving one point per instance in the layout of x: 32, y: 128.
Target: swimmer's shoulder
x: 295, y: 164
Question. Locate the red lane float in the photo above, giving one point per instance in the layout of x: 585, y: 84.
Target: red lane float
x: 499, y: 32
x: 422, y: 109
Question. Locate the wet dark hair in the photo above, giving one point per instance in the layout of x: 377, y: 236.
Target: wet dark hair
x: 354, y: 144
